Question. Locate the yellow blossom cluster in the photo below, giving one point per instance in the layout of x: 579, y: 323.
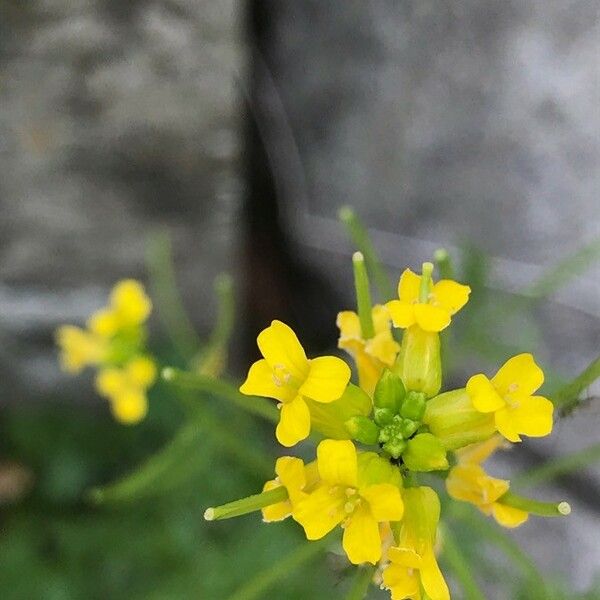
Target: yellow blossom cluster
x: 114, y: 343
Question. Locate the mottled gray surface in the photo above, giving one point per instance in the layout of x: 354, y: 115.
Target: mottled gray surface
x: 115, y: 118
x: 444, y: 122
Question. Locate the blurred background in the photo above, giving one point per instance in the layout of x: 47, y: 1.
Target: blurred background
x: 238, y: 130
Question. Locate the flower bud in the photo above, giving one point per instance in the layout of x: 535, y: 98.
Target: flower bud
x: 452, y: 418
x: 408, y: 427
x: 419, y: 363
x: 389, y: 392
x: 425, y: 453
x: 395, y: 447
x: 383, y: 416
x: 362, y: 429
x: 413, y: 406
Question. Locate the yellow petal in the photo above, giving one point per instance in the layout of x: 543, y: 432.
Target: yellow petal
x: 361, y: 541
x: 381, y: 319
x: 129, y: 300
x: 508, y: 516
x: 385, y: 501
x: 294, y: 422
x: 111, y: 382
x: 291, y: 473
x: 278, y: 511
x: 483, y: 394
x: 349, y: 325
x: 141, y: 371
x: 383, y: 347
x: 532, y: 416
x: 320, y: 511
x: 327, y: 379
x: 520, y: 375
x: 129, y: 407
x: 506, y: 425
x: 402, y: 582
x: 480, y: 452
x: 405, y: 557
x: 402, y: 313
x: 79, y: 348
x: 432, y: 580
x: 408, y: 286
x: 104, y: 323
x: 282, y: 350
x: 261, y: 382
x: 450, y: 295
x: 337, y: 462
x: 431, y: 318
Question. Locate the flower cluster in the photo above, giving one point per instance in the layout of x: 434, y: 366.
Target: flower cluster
x: 114, y: 342
x: 382, y: 433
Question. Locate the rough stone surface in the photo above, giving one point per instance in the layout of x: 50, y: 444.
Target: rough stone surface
x: 116, y: 118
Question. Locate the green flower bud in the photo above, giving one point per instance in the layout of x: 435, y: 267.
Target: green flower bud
x: 389, y: 392
x: 383, y: 416
x: 373, y: 469
x: 408, y: 427
x: 452, y: 418
x: 362, y: 429
x: 395, y: 447
x: 419, y: 364
x: 413, y: 406
x: 425, y: 453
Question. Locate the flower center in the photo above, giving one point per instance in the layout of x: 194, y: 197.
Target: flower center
x: 281, y: 376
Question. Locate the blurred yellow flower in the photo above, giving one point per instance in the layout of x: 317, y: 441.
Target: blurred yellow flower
x: 79, y: 348
x: 431, y: 309
x: 126, y: 388
x: 413, y: 566
x: 359, y: 491
x: 285, y: 374
x: 371, y: 355
x: 468, y: 482
x: 509, y: 396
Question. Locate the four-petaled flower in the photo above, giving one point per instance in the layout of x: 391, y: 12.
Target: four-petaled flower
x: 468, y: 482
x: 433, y: 313
x: 413, y: 566
x: 509, y: 395
x: 285, y: 374
x: 359, y: 491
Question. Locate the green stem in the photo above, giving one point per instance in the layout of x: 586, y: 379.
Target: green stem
x: 558, y: 466
x: 178, y: 327
x: 247, y: 505
x: 536, y: 507
x: 461, y: 567
x: 363, y: 296
x: 256, y: 587
x: 358, y: 234
x: 361, y: 582
x: 202, y: 383
x: 444, y: 263
x: 567, y: 397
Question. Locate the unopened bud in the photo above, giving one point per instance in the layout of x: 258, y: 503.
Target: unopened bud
x: 413, y: 406
x: 389, y: 392
x: 408, y: 427
x: 383, y: 416
x: 395, y: 447
x: 362, y: 429
x: 425, y: 453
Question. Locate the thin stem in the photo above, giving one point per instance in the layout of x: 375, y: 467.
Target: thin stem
x: 557, y: 467
x: 444, y: 264
x: 247, y: 505
x: 536, y: 507
x: 256, y: 587
x: 459, y: 564
x: 202, y: 383
x: 567, y: 397
x: 361, y: 583
x: 359, y: 235
x: 363, y: 296
x: 177, y: 325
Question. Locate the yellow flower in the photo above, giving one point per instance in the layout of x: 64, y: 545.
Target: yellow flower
x: 468, y: 482
x: 126, y: 388
x: 359, y: 491
x: 508, y: 395
x: 79, y: 348
x: 296, y: 478
x: 444, y: 299
x: 129, y: 307
x: 285, y: 374
x: 413, y: 565
x: 372, y: 355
